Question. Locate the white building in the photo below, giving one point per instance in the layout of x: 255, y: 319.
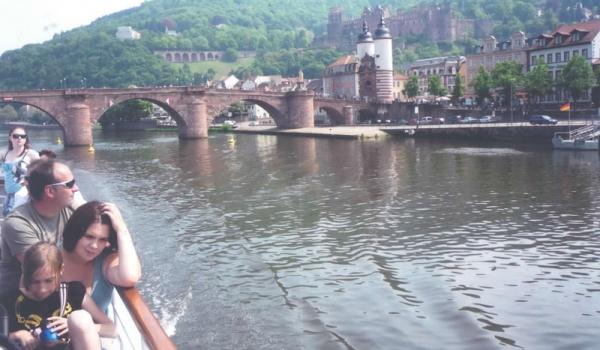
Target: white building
x: 557, y: 48
x: 127, y: 33
x: 446, y: 68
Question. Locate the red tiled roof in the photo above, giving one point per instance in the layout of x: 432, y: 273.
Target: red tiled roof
x: 588, y: 29
x: 342, y: 61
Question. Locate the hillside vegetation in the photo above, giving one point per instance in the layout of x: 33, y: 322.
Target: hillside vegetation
x: 279, y: 30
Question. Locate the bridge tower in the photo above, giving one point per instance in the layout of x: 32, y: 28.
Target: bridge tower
x: 384, y: 63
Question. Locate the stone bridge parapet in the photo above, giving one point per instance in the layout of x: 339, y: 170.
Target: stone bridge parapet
x: 193, y: 108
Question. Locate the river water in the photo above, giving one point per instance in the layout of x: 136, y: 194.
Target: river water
x: 274, y: 242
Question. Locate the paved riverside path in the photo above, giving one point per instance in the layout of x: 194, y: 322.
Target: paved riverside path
x: 354, y: 132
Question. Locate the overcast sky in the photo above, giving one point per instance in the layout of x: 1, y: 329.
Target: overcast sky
x: 25, y: 22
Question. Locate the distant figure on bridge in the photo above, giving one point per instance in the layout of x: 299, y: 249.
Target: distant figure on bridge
x: 15, y: 161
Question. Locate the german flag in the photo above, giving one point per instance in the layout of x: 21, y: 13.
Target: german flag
x: 565, y: 107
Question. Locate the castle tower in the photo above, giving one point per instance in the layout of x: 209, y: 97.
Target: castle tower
x: 365, y: 45
x: 384, y: 63
x: 334, y: 24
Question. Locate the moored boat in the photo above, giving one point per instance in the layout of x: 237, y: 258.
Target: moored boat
x: 581, y: 139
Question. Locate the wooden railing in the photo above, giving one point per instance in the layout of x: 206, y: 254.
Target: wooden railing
x: 149, y: 326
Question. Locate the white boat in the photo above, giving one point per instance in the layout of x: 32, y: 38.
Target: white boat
x: 581, y: 139
x: 137, y: 327
x: 575, y: 144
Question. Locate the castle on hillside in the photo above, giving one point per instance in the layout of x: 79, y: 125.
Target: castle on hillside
x: 435, y: 22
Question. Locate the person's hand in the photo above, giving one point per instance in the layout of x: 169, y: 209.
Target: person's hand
x: 115, y: 217
x: 25, y: 339
x: 58, y: 325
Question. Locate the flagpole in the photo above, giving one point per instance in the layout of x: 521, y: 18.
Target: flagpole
x: 569, y: 119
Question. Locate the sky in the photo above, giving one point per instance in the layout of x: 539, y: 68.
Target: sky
x: 25, y: 22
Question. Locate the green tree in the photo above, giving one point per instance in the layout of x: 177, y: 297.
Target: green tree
x: 132, y: 110
x: 482, y: 84
x: 459, y: 89
x: 577, y: 78
x: 435, y: 87
x: 8, y: 113
x: 412, y: 87
x: 231, y: 55
x: 507, y: 76
x: 538, y: 81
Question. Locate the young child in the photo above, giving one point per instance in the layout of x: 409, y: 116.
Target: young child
x: 75, y: 319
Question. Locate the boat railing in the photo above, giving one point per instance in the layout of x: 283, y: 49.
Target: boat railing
x: 154, y: 335
x: 584, y: 133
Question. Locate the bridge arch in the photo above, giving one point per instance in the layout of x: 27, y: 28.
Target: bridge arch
x: 174, y: 114
x: 276, y: 113
x: 60, y: 120
x: 335, y: 116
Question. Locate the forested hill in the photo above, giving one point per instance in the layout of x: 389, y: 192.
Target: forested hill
x: 276, y: 29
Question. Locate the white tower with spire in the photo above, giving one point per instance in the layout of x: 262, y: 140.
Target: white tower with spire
x: 384, y: 63
x: 365, y: 45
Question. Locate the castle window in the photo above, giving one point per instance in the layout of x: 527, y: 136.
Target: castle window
x: 567, y: 56
x: 575, y: 53
x: 557, y: 57
x: 549, y: 58
x: 533, y: 57
x: 584, y: 53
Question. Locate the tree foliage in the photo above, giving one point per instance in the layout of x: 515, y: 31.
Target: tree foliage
x: 482, y: 84
x: 412, y: 87
x: 435, y: 87
x: 132, y: 110
x: 507, y: 76
x: 537, y: 81
x: 577, y: 77
x: 459, y: 89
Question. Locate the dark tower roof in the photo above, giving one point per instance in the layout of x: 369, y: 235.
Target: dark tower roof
x: 382, y: 32
x: 365, y: 36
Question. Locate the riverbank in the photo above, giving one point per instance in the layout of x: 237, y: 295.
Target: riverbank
x: 348, y: 132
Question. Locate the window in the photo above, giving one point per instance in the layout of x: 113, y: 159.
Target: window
x: 576, y: 37
x: 557, y: 74
x: 567, y: 56
x: 533, y: 57
x: 575, y: 53
x: 584, y: 53
x: 549, y: 58
x: 557, y: 57
x: 558, y: 39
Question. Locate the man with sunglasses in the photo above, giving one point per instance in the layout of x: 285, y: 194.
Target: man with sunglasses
x: 52, y: 187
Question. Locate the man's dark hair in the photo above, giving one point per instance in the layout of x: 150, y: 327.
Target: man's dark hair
x: 48, y: 153
x: 41, y: 174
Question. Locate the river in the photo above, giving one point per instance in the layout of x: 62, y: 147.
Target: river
x: 273, y: 242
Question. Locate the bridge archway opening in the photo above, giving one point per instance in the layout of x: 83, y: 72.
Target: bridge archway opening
x: 328, y: 116
x: 251, y: 112
x: 140, y: 114
x: 29, y: 116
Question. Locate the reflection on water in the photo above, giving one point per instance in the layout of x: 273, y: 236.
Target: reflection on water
x: 298, y: 243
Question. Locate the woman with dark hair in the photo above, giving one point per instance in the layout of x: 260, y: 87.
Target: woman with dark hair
x: 98, y: 251
x: 15, y: 161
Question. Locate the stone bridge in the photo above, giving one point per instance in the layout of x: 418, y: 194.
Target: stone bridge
x: 193, y: 108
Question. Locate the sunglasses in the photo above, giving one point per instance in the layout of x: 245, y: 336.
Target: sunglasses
x: 19, y: 136
x: 68, y: 184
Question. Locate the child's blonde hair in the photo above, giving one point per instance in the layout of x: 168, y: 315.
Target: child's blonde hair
x: 40, y: 255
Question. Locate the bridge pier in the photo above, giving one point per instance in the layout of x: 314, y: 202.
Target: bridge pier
x: 78, y: 131
x: 300, y: 110
x: 196, y: 120
x: 348, y: 114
